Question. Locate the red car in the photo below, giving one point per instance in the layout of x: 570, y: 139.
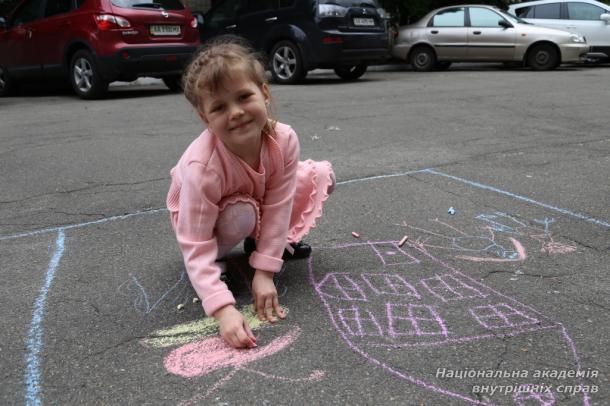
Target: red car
x: 94, y: 42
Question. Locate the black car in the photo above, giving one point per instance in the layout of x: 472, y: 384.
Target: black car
x: 302, y: 35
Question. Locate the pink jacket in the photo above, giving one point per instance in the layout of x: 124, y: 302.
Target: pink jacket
x: 208, y: 174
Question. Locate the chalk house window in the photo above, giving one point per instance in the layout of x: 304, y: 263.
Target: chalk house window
x: 414, y: 320
x: 447, y: 287
x: 501, y: 316
x: 360, y: 322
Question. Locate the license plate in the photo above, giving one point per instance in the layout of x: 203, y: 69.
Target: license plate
x: 165, y: 30
x: 367, y: 22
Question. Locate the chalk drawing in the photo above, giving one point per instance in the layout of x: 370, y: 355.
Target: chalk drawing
x: 529, y: 397
x: 389, y: 313
x: 202, y: 351
x: 515, y: 196
x: 34, y: 341
x: 205, y: 356
x: 177, y: 293
x: 486, y: 240
x: 199, y: 329
x: 33, y: 379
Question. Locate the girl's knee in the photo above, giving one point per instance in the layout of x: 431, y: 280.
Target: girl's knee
x: 236, y: 222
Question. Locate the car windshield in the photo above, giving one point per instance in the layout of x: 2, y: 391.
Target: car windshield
x: 512, y: 18
x: 156, y: 4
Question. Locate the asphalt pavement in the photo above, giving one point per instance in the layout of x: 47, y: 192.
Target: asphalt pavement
x: 462, y: 259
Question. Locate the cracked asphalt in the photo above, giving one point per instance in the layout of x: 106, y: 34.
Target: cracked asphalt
x: 504, y: 302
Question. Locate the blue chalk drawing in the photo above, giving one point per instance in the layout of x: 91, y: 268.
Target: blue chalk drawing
x: 546, y: 222
x: 522, y: 198
x: 34, y: 341
x: 142, y: 302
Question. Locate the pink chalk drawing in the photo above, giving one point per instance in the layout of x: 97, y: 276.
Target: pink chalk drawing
x: 418, y: 307
x: 528, y: 397
x: 205, y: 356
x: 486, y: 243
x: 553, y: 247
x: 518, y: 249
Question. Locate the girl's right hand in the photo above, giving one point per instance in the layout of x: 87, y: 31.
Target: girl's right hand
x: 234, y: 328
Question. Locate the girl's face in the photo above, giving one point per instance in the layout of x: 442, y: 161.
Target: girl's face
x: 237, y: 112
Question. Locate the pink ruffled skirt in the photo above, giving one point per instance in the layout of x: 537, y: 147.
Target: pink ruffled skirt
x: 314, y: 182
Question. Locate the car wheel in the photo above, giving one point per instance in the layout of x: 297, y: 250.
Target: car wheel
x: 7, y: 84
x: 443, y: 65
x: 351, y: 72
x: 85, y: 76
x: 174, y: 83
x: 543, y: 57
x: 287, y: 64
x: 422, y: 59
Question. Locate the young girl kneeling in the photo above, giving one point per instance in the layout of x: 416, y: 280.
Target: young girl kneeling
x: 241, y: 179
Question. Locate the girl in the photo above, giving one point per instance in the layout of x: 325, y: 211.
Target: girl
x: 241, y: 178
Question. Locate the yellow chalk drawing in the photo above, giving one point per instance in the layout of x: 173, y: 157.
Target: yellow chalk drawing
x: 195, y: 330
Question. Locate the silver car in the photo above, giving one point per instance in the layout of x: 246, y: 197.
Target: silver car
x: 484, y: 34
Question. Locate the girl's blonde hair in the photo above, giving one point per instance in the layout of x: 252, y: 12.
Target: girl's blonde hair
x: 223, y: 59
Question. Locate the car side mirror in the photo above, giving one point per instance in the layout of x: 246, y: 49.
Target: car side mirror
x: 504, y: 23
x: 605, y: 17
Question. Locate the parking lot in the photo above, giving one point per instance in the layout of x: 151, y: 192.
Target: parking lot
x: 499, y: 295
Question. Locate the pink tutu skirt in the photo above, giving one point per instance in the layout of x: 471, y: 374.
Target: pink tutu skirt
x: 313, y: 181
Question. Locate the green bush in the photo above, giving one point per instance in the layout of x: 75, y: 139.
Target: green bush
x: 409, y: 11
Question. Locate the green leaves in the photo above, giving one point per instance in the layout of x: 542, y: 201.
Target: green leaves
x: 409, y: 11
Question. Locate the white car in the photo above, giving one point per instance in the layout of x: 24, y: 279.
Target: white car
x: 478, y: 33
x: 588, y: 18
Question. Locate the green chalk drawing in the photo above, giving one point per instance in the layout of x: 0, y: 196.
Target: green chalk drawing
x: 195, y: 330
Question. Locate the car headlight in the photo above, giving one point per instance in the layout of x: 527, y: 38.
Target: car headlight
x: 577, y: 38
x: 331, y: 10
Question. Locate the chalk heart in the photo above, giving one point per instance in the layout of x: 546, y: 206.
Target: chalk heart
x: 204, y: 356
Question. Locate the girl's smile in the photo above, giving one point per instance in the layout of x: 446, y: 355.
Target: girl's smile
x: 241, y: 125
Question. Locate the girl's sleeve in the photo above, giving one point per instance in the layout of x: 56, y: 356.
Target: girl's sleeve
x: 276, y: 210
x: 197, y: 214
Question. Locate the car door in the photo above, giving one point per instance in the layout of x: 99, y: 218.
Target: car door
x: 20, y: 46
x: 584, y: 19
x: 487, y: 39
x: 53, y: 33
x: 446, y: 31
x: 221, y: 19
x: 256, y: 19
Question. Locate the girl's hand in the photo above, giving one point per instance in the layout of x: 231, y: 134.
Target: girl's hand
x: 234, y: 328
x: 265, y: 296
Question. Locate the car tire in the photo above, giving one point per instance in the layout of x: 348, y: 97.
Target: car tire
x: 173, y: 83
x: 443, y: 65
x: 85, y: 76
x: 351, y: 72
x: 8, y: 85
x: 543, y: 57
x: 422, y: 59
x: 286, y: 63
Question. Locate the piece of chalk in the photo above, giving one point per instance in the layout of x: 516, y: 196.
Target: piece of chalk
x: 403, y: 241
x: 180, y: 306
x: 355, y: 234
